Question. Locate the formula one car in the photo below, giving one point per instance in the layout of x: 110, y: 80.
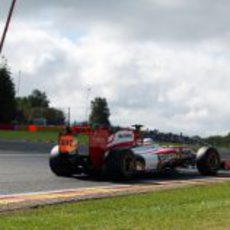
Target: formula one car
x: 121, y: 153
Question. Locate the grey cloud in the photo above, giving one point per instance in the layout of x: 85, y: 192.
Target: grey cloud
x: 140, y: 19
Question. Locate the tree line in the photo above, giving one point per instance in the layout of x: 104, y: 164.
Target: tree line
x: 222, y: 141
x: 35, y: 108
x: 25, y: 110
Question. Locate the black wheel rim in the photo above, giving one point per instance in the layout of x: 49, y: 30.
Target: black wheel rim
x: 128, y: 164
x: 213, y: 161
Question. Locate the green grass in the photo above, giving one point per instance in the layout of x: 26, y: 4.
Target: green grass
x: 34, y: 136
x: 205, y: 207
x: 25, y: 135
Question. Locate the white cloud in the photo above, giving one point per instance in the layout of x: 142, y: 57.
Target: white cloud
x: 174, y: 83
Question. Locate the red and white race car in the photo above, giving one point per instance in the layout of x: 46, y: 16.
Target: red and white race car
x: 121, y: 153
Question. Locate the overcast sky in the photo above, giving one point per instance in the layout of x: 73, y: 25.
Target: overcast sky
x: 161, y: 63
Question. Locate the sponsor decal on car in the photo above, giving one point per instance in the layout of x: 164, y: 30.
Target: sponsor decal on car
x: 67, y: 143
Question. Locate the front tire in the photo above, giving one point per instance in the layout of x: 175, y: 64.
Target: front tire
x: 208, y: 161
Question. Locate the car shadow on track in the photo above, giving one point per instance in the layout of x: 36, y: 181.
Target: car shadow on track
x: 152, y: 177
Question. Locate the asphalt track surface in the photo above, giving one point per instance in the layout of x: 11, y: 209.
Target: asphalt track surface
x: 24, y: 168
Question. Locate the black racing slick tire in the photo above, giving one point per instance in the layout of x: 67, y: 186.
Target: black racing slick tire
x: 120, y: 164
x: 60, y: 166
x: 208, y: 161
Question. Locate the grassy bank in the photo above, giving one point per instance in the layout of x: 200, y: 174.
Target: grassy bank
x: 25, y: 135
x: 204, y: 207
x: 34, y: 136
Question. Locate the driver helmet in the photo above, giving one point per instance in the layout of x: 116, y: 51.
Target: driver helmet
x: 148, y: 141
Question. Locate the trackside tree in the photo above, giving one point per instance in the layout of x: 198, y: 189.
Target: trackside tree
x: 7, y: 96
x: 38, y: 99
x: 99, y: 112
x: 36, y: 107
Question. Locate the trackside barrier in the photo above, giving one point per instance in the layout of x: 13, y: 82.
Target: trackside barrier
x: 7, y: 127
x: 32, y: 128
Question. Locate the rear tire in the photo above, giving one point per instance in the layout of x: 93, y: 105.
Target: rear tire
x: 120, y: 164
x: 60, y: 166
x: 208, y: 161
